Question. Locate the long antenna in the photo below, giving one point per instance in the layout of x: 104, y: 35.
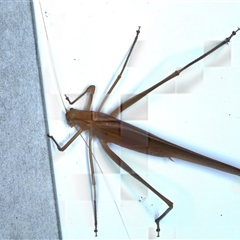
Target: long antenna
x: 51, y: 58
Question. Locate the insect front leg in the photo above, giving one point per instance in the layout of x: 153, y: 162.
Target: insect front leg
x: 90, y: 91
x: 69, y: 141
x: 127, y: 168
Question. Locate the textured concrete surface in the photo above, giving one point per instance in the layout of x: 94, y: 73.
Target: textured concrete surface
x: 27, y: 195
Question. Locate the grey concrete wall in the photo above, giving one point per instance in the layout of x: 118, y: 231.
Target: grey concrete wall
x: 28, y: 208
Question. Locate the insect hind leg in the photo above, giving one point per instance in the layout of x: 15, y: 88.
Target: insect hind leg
x: 127, y: 168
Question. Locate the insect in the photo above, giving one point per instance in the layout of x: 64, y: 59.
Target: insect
x: 108, y: 129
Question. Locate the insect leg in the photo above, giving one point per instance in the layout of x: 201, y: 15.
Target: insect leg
x: 139, y: 96
x: 69, y: 141
x: 120, y: 74
x: 127, y: 168
x: 93, y: 183
x: 90, y: 90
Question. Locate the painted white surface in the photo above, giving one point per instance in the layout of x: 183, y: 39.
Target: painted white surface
x: 199, y: 110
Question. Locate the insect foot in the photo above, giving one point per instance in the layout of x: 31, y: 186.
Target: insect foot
x: 158, y: 228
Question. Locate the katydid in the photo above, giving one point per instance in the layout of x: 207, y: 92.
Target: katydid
x: 108, y: 129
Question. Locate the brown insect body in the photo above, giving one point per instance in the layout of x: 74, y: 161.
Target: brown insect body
x: 108, y: 129
x: 112, y: 130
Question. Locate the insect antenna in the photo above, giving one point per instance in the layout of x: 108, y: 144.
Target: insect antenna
x: 51, y: 58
